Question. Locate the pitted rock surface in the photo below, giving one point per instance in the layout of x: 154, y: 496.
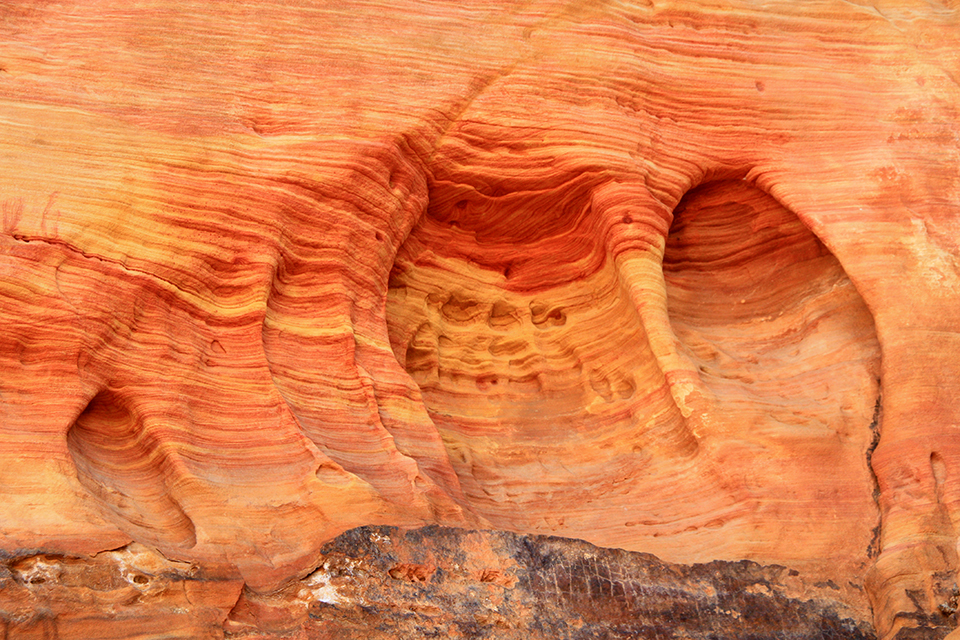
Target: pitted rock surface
x: 435, y: 582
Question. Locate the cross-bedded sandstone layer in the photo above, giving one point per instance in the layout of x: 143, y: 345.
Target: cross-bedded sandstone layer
x: 672, y: 277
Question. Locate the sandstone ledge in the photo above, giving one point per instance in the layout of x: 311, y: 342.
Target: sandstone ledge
x: 382, y: 582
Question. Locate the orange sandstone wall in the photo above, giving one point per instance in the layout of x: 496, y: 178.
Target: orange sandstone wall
x: 671, y: 277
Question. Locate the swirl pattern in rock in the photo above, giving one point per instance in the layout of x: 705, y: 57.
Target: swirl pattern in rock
x: 560, y: 415
x: 635, y: 272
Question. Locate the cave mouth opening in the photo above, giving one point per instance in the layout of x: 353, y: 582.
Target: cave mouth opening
x: 125, y: 469
x: 750, y: 288
x: 787, y: 352
x: 515, y: 325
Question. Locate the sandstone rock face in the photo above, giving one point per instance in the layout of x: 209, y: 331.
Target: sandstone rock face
x: 668, y: 277
x: 378, y: 582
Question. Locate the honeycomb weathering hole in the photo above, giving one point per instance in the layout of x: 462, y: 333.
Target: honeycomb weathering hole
x: 526, y: 346
x: 120, y: 463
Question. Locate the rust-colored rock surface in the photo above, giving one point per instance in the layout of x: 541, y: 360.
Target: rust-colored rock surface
x: 670, y: 277
x: 378, y: 582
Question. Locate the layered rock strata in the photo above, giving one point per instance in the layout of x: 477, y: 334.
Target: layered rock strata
x: 669, y: 277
